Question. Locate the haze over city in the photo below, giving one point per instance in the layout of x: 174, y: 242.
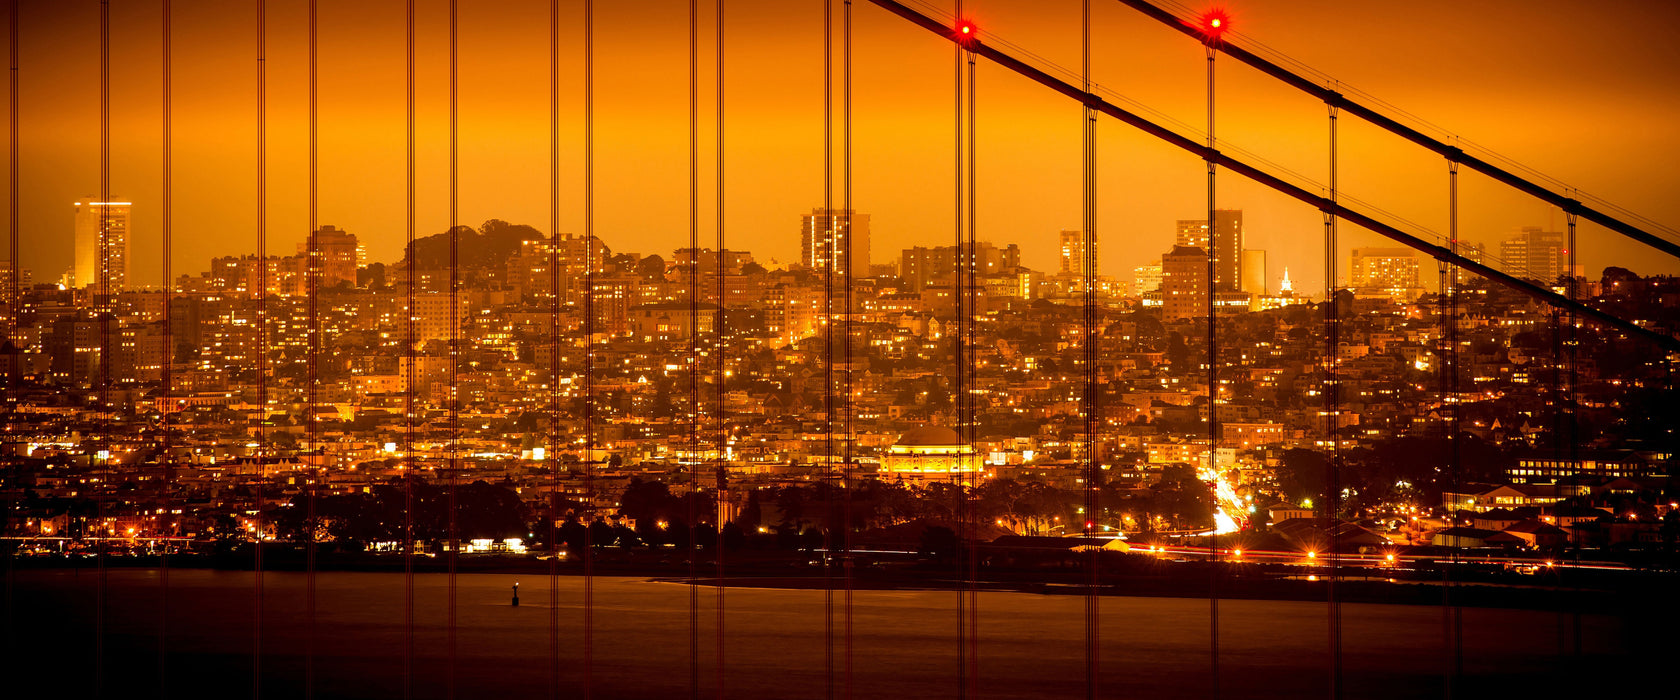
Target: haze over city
x: 1556, y: 86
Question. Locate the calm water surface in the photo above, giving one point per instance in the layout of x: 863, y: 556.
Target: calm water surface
x: 904, y: 643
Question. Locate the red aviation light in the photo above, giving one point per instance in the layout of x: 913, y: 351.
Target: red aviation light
x: 966, y: 30
x: 1214, y: 23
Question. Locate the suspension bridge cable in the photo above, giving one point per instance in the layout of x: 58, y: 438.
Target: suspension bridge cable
x: 721, y: 352
x: 313, y: 285
x: 588, y: 347
x: 454, y: 396
x: 1452, y: 615
x: 410, y: 374
x: 1571, y: 400
x: 555, y: 395
x: 829, y: 251
x: 1267, y: 179
x: 958, y: 340
x: 1560, y: 452
x: 102, y: 304
x: 1088, y: 269
x: 261, y: 292
x: 14, y: 302
x: 1448, y: 151
x: 968, y: 290
x: 694, y: 417
x: 850, y: 409
x: 166, y: 381
x: 1212, y: 364
x: 1332, y: 415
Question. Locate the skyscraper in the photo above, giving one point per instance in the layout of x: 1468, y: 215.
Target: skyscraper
x: 338, y: 255
x: 1184, y: 283
x: 920, y: 266
x: 824, y: 234
x: 1074, y: 252
x: 1534, y: 254
x: 101, y: 245
x: 1383, y: 268
x: 1227, y: 245
x: 1148, y: 278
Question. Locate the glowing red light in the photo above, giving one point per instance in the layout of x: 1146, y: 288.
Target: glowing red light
x: 966, y: 28
x: 1215, y: 22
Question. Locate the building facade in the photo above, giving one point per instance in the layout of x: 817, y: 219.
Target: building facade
x: 835, y: 239
x: 101, y: 245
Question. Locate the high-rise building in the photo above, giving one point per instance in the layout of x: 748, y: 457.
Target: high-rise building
x: 1148, y: 278
x: 1389, y: 271
x: 1227, y: 245
x: 338, y: 255
x: 918, y: 267
x: 829, y: 236
x: 101, y: 245
x: 11, y: 292
x: 1074, y: 252
x: 1533, y: 254
x: 1184, y: 287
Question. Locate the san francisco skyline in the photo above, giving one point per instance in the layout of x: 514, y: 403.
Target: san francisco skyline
x: 1497, y: 75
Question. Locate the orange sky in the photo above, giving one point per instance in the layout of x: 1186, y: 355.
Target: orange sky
x: 1580, y: 92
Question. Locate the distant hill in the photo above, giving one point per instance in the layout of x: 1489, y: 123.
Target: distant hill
x: 489, y: 246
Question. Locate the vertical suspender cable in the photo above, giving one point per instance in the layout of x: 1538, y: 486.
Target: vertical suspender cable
x: 1332, y: 415
x: 1573, y: 341
x: 166, y: 381
x: 588, y: 347
x: 1088, y: 268
x: 958, y: 382
x: 14, y: 302
x: 454, y: 396
x: 261, y: 293
x: 721, y: 352
x: 99, y: 296
x: 693, y: 344
x: 554, y: 395
x: 850, y: 411
x: 1212, y: 368
x: 825, y: 244
x: 1452, y: 616
x: 410, y: 375
x: 965, y: 409
x: 313, y: 429
x: 1556, y: 402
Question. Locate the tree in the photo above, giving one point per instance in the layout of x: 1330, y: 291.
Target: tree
x: 1302, y: 474
x: 601, y: 534
x: 941, y: 543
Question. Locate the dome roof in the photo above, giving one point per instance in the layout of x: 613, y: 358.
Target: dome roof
x: 930, y: 435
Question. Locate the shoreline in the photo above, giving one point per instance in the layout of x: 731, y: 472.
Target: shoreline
x: 1184, y: 580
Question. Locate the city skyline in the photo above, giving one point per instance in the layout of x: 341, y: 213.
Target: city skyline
x: 502, y: 145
